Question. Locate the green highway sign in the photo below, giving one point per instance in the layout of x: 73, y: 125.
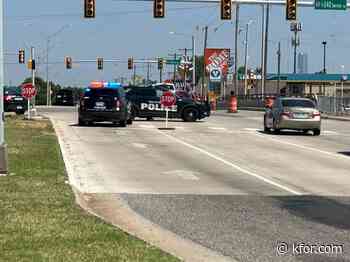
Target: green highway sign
x: 173, y: 61
x: 330, y: 4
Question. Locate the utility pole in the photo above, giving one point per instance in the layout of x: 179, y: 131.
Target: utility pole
x: 193, y: 63
x: 185, y: 68
x: 3, y: 147
x: 148, y: 72
x: 160, y: 74
x: 246, y: 58
x: 278, y: 67
x: 266, y: 47
x: 236, y: 49
x: 48, y: 89
x: 295, y: 27
x: 324, y: 43
x: 134, y: 75
x: 262, y: 47
x: 174, y: 67
x: 204, y: 68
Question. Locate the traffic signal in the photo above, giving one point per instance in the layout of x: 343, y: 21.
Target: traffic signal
x: 291, y: 10
x: 21, y: 56
x: 89, y: 8
x: 226, y: 9
x: 130, y: 63
x: 160, y: 63
x: 100, y: 63
x: 158, y: 8
x: 69, y: 62
x: 31, y: 64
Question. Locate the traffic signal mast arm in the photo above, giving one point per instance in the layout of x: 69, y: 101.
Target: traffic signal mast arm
x: 253, y: 2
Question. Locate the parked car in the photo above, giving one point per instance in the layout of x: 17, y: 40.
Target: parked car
x: 64, y: 97
x: 293, y: 113
x: 14, y: 101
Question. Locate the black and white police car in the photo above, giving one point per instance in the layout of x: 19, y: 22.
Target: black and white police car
x: 104, y: 101
x: 146, y: 104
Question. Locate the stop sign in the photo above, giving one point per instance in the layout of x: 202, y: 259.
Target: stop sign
x: 168, y: 99
x: 28, y: 90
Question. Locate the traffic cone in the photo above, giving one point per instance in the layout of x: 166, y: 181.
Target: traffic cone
x: 232, y: 107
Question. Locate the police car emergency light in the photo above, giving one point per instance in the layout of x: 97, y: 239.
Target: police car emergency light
x: 101, y: 84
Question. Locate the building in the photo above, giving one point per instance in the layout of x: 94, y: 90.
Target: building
x: 302, y: 63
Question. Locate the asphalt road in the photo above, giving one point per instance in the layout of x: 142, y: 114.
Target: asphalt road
x: 222, y: 182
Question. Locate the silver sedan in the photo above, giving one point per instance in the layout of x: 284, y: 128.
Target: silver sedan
x: 293, y: 113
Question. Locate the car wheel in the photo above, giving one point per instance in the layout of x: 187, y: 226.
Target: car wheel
x: 149, y: 118
x: 81, y: 122
x: 317, y: 132
x: 122, y: 123
x: 190, y: 114
x: 129, y: 121
x: 305, y: 131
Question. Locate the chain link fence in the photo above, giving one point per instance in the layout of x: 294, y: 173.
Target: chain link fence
x: 334, y: 105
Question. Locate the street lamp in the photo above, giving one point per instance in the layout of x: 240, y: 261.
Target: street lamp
x: 343, y: 78
x: 193, y: 57
x: 48, y: 39
x: 324, y: 43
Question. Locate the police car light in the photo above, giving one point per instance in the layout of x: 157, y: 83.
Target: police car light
x: 114, y: 85
x: 96, y: 84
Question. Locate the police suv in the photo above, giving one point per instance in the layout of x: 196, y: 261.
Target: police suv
x: 104, y: 101
x: 146, y: 103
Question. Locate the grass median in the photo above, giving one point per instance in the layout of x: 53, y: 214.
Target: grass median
x: 39, y: 220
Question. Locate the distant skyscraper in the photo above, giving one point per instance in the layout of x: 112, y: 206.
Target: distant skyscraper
x: 302, y: 63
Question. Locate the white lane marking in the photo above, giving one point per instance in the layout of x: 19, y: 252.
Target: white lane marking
x: 245, y: 171
x: 147, y: 126
x: 304, y: 147
x: 252, y: 129
x: 217, y: 128
x: 184, y: 174
x: 330, y: 132
x: 139, y: 145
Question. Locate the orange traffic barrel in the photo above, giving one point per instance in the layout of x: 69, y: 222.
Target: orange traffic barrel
x: 232, y: 106
x: 213, y: 104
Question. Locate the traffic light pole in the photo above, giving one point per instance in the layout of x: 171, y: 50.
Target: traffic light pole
x: 32, y: 55
x: 3, y: 147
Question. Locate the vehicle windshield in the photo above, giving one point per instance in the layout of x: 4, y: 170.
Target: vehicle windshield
x: 297, y: 103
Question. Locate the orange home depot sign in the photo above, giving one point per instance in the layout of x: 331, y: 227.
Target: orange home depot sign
x: 217, y: 58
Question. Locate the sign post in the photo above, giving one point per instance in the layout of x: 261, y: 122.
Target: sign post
x: 28, y: 91
x: 167, y: 100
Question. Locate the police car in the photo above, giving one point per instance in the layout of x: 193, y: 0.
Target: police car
x: 104, y: 101
x: 146, y: 104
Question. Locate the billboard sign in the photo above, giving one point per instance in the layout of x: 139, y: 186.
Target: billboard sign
x: 217, y: 58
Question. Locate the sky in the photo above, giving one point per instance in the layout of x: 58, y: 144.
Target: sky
x: 127, y: 28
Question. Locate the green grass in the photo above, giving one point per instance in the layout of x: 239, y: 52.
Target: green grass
x: 39, y: 220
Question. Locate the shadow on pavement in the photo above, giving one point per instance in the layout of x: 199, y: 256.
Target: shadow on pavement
x: 329, y: 211
x: 286, y: 133
x: 345, y: 153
